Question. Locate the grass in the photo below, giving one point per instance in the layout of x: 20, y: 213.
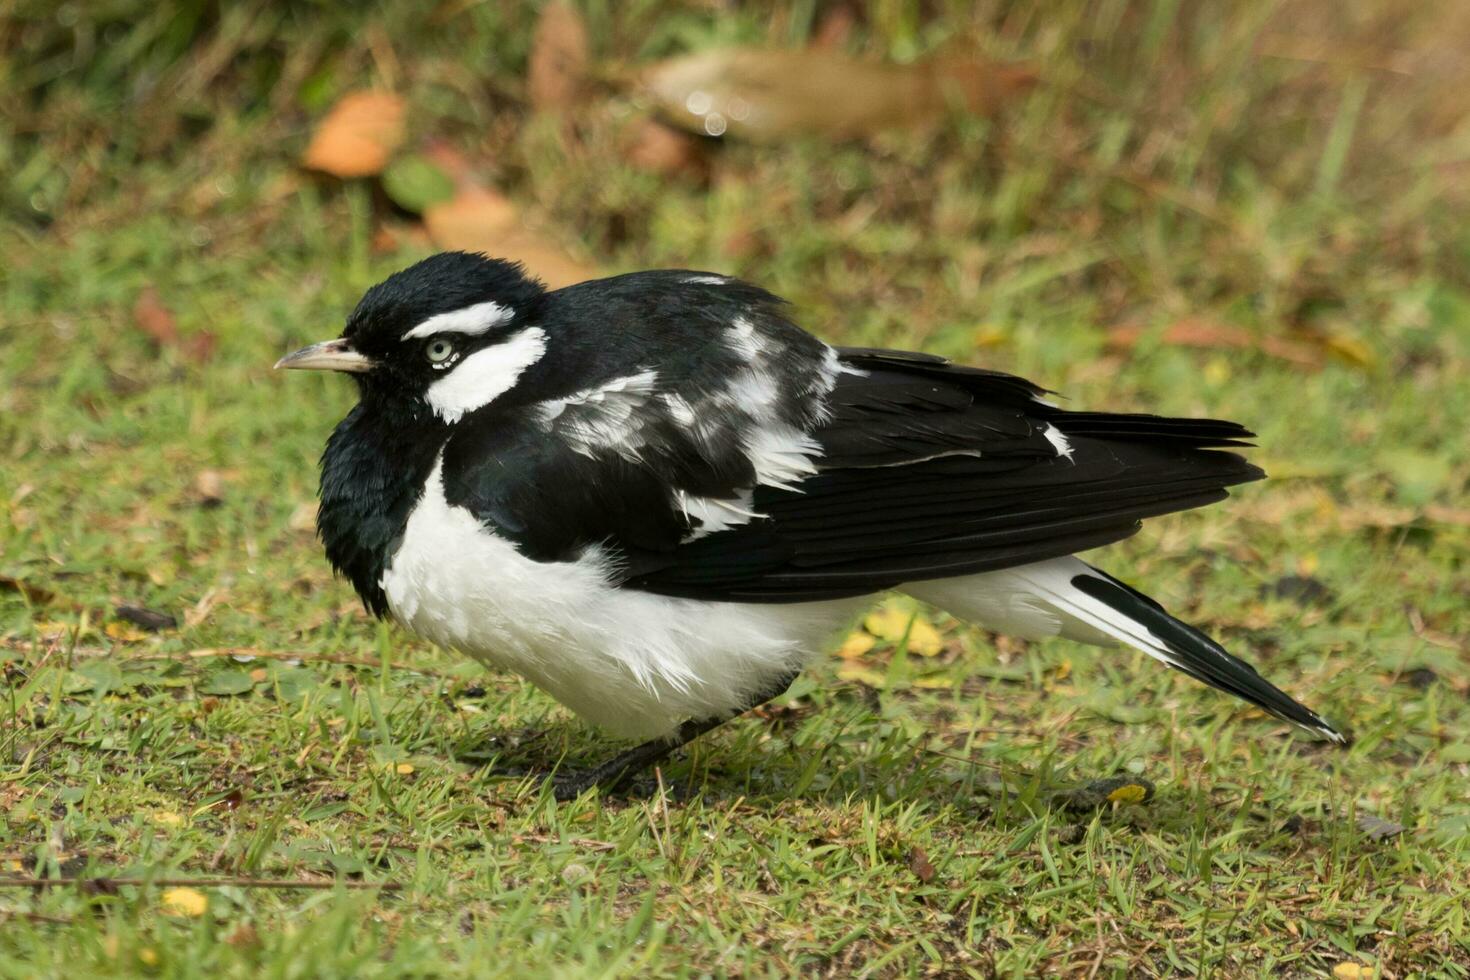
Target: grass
x: 1290, y: 171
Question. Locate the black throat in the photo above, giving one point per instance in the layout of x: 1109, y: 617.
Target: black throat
x: 373, y: 472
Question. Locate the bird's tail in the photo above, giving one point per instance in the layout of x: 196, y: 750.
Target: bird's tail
x: 1098, y: 603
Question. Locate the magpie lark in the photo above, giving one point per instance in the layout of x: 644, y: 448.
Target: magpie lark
x: 656, y: 497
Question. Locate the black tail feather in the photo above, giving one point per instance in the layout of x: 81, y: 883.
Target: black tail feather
x: 1202, y: 658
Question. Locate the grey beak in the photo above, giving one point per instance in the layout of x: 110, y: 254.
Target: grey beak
x: 329, y: 355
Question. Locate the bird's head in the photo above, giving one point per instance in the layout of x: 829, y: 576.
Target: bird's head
x: 445, y: 336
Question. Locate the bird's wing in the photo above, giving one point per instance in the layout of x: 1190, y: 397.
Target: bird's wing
x: 902, y: 467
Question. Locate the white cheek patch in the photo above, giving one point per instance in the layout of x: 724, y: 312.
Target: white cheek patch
x: 485, y: 375
x: 471, y: 321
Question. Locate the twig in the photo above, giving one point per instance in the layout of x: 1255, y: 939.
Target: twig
x: 102, y: 883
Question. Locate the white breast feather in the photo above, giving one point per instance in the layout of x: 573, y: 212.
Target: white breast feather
x: 633, y: 662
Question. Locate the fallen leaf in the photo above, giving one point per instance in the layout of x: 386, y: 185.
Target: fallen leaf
x: 920, y: 865
x: 156, y: 320
x: 404, y: 768
x: 477, y: 219
x: 1376, y: 828
x: 415, y: 182
x: 242, y: 935
x: 866, y: 676
x: 189, y: 902
x: 856, y: 644
x: 149, y: 619
x: 891, y: 623
x: 661, y: 149
x: 1352, y: 971
x: 32, y: 593
x: 762, y: 94
x: 166, y: 819
x: 1209, y: 335
x: 358, y: 136
x: 835, y: 28
x: 1121, y: 790
x: 210, y: 485
x: 558, y: 67
x: 124, y: 632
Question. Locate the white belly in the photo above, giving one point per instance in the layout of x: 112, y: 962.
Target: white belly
x: 633, y: 662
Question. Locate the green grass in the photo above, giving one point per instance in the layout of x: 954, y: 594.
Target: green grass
x: 1179, y: 161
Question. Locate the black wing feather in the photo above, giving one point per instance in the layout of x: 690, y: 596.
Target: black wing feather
x: 926, y: 470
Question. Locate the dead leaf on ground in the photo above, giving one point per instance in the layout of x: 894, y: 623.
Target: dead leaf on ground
x: 157, y: 322
x: 1376, y: 828
x: 558, y: 66
x: 32, y: 593
x: 210, y: 485
x: 358, y: 136
x: 761, y: 94
x: 835, y: 27
x: 1352, y: 971
x: 478, y: 219
x: 662, y: 149
x: 920, y: 864
x: 1208, y: 335
x: 1116, y: 790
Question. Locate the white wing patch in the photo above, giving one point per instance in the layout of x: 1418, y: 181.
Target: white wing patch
x: 485, y: 375
x: 706, y: 280
x: 1058, y: 441
x: 604, y: 417
x: 471, y: 321
x: 715, y: 513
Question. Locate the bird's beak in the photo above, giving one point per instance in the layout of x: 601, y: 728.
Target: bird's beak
x: 329, y: 355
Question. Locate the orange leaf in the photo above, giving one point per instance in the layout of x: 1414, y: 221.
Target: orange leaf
x: 558, y: 58
x: 359, y: 135
x: 477, y: 219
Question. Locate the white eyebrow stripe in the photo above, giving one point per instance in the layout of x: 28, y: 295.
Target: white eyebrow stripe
x: 472, y: 320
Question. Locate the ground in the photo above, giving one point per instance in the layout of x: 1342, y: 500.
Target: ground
x: 1254, y: 211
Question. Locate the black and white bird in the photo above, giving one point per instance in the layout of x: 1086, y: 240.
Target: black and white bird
x: 657, y: 498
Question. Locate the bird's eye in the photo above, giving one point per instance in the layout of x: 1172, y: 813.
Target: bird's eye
x: 438, y: 351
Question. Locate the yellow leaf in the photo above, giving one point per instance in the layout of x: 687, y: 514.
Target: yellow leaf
x: 1131, y: 793
x: 188, y: 902
x: 1352, y: 350
x: 890, y: 623
x: 866, y: 676
x: 935, y: 683
x: 165, y: 819
x: 148, y: 956
x: 403, y: 768
x: 124, y: 632
x: 1352, y: 971
x: 856, y: 644
x: 1063, y: 671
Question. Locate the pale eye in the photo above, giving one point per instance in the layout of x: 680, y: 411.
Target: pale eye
x: 438, y: 351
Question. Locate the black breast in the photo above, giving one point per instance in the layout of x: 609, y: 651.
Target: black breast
x: 373, y: 472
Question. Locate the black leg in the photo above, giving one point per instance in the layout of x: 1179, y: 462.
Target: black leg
x: 571, y: 785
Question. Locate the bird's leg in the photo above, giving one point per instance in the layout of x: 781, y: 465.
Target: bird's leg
x: 573, y: 784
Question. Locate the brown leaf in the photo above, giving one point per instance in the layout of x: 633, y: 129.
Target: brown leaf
x: 661, y: 149
x: 558, y: 58
x: 157, y: 322
x: 210, y: 485
x: 481, y: 220
x: 1208, y: 335
x: 359, y: 136
x: 760, y: 94
x: 32, y: 593
x: 155, y: 319
x: 834, y: 28
x: 920, y: 865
